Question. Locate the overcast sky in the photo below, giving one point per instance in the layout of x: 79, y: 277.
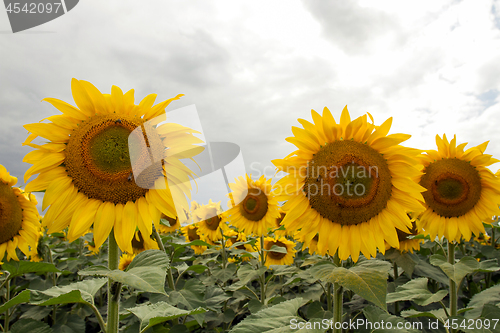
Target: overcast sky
x: 253, y: 67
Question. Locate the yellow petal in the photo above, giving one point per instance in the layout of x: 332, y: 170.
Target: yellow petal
x: 82, y: 98
x: 104, y: 222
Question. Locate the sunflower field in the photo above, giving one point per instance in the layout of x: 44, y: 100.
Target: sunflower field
x: 356, y: 232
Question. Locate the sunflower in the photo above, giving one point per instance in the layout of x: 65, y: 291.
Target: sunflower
x: 349, y: 182
x: 173, y: 224
x: 191, y: 233
x: 461, y: 191
x: 406, y: 243
x: 279, y: 227
x: 310, y: 244
x: 141, y: 244
x: 19, y: 219
x: 234, y: 237
x: 208, y: 220
x: 86, y: 169
x: 277, y: 258
x: 254, y: 208
x: 125, y: 261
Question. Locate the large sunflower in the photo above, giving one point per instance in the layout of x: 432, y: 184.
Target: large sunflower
x: 274, y: 257
x: 461, y: 191
x: 349, y: 182
x: 254, y: 206
x: 19, y: 219
x: 86, y: 168
x: 208, y: 220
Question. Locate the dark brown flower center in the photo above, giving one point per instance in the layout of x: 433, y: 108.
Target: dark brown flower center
x: 254, y: 206
x: 453, y: 187
x: 348, y: 182
x: 11, y: 213
x: 99, y: 161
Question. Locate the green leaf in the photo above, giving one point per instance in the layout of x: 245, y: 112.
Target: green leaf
x: 150, y: 258
x: 435, y: 314
x: 31, y: 326
x: 17, y: 268
x: 278, y: 249
x: 465, y: 266
x: 149, y: 279
x: 22, y: 297
x: 153, y: 314
x: 191, y: 296
x: 416, y: 290
x: 367, y: 282
x: 478, y: 301
x: 140, y: 276
x: 376, y: 315
x: 77, y: 292
x: 197, y: 268
x: 279, y: 318
x: 426, y: 270
x: 407, y: 261
x: 246, y: 274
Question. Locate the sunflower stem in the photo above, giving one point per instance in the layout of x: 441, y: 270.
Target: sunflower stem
x: 329, y: 306
x: 338, y: 298
x: 7, y: 314
x: 114, y: 288
x: 453, y: 285
x: 170, y: 276
x: 493, y: 241
x: 396, y: 275
x: 224, y: 253
x: 263, y: 276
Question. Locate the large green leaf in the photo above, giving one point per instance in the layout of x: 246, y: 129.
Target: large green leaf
x: 18, y: 268
x: 149, y: 279
x: 416, y: 291
x: 478, y: 301
x: 150, y: 258
x: 407, y: 261
x: 145, y: 278
x: 31, y: 326
x: 465, y: 266
x: 22, y: 297
x: 191, y: 296
x: 367, y: 280
x: 375, y: 316
x: 435, y: 314
x: 77, y: 292
x: 246, y: 274
x: 426, y: 270
x: 153, y: 314
x: 279, y: 318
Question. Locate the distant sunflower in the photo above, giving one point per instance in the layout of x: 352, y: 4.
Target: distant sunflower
x: 310, y: 244
x: 191, y: 233
x: 174, y: 224
x: 235, y: 237
x: 407, y: 244
x: 125, y: 261
x: 141, y: 243
x: 86, y: 168
x: 279, y: 226
x: 461, y: 191
x: 278, y: 258
x: 208, y: 220
x: 19, y: 219
x: 351, y: 183
x: 254, y: 207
